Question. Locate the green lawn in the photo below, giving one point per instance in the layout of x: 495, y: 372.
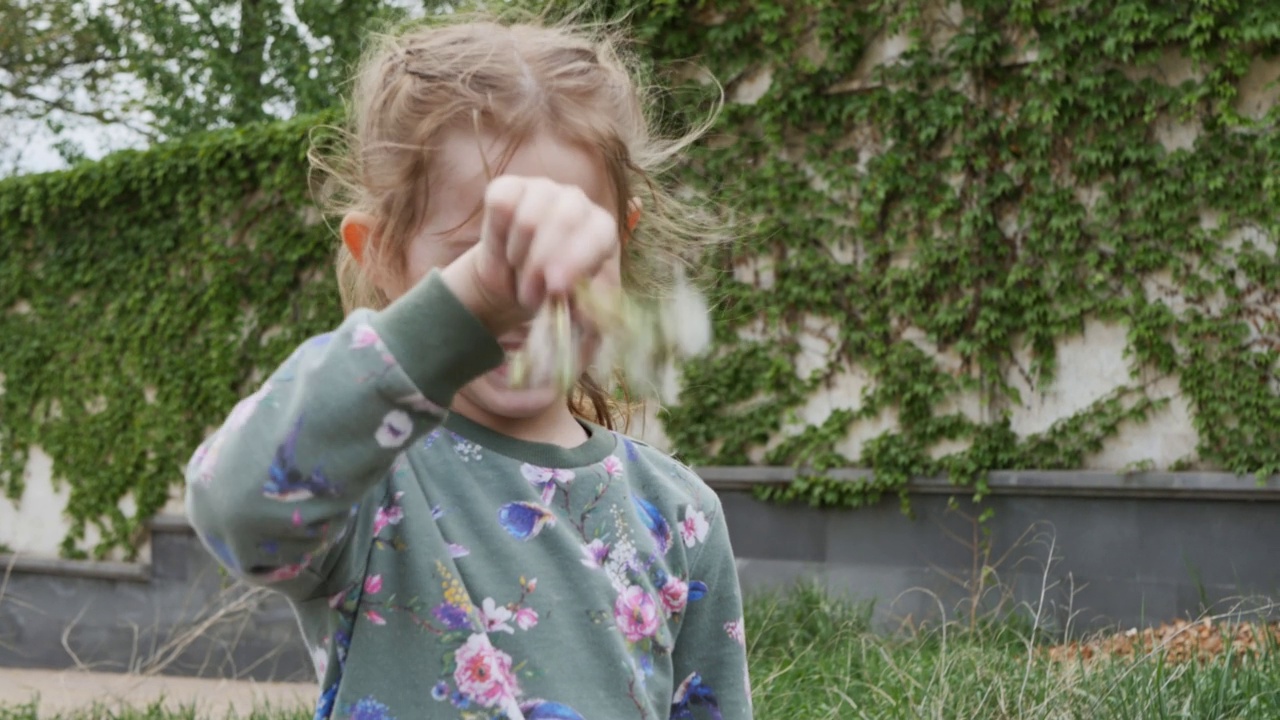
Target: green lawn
x: 814, y: 658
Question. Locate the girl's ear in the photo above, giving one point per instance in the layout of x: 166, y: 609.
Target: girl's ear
x: 633, y: 217
x: 356, y: 227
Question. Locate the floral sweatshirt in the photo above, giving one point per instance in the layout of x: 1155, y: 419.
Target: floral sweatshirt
x: 441, y: 570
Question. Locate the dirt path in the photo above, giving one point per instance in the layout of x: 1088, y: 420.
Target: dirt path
x: 69, y: 691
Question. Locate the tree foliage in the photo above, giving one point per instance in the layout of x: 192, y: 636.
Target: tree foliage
x: 168, y: 68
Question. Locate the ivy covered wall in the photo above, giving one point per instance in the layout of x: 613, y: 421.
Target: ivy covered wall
x: 140, y: 297
x: 948, y: 211
x: 944, y: 196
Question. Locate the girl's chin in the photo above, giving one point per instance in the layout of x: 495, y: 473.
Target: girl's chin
x: 494, y: 394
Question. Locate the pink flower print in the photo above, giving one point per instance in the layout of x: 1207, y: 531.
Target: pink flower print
x: 365, y: 336
x: 636, y: 614
x: 297, y: 518
x: 531, y: 585
x: 395, y: 429
x: 495, y: 617
x: 737, y: 632
x: 288, y: 572
x: 526, y: 618
x: 484, y: 673
x: 675, y: 595
x: 694, y: 527
x: 387, y: 516
x: 374, y: 617
x: 613, y: 466
x: 373, y: 584
x: 596, y: 553
x: 244, y: 409
x: 539, y: 476
x: 458, y: 551
x: 546, y: 479
x: 320, y: 658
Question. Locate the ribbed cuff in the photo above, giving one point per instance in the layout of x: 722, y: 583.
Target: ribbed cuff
x: 438, y: 342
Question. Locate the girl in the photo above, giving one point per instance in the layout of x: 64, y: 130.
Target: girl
x: 456, y: 548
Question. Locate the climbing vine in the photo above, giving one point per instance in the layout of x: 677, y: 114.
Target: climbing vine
x: 939, y: 222
x: 140, y: 297
x: 933, y: 198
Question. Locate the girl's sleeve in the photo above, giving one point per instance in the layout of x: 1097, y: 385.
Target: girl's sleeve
x: 710, y: 656
x: 275, y: 492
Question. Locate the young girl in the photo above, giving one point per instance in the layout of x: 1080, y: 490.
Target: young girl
x: 456, y: 548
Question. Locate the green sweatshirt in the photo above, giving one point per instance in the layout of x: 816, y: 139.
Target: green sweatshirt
x: 441, y: 570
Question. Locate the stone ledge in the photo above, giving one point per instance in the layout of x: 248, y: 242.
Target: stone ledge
x: 1040, y: 483
x: 170, y: 523
x: 100, y: 569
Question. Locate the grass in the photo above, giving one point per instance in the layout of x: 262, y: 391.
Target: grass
x: 815, y: 657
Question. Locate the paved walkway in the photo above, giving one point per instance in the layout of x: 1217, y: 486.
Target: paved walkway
x: 68, y: 691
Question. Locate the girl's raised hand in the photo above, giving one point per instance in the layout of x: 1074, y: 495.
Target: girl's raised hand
x: 539, y: 239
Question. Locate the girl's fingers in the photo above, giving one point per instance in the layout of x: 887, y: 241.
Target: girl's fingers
x: 588, y: 250
x: 501, y: 198
x: 551, y: 235
x: 536, y: 211
x: 539, y: 212
x: 559, y: 245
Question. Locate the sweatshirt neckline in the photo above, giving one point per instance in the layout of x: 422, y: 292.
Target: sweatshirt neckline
x: 599, y: 444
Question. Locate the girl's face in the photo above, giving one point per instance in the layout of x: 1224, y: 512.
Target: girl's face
x: 453, y: 225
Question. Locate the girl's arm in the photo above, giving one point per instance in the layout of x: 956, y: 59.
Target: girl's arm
x: 275, y: 491
x: 710, y: 656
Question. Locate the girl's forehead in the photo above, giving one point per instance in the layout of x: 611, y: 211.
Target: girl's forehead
x: 467, y: 161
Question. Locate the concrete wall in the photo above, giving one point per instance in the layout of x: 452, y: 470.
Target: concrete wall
x: 1080, y: 551
x: 178, y: 614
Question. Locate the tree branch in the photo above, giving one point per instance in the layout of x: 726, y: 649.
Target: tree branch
x: 210, y: 26
x: 54, y: 66
x: 60, y: 104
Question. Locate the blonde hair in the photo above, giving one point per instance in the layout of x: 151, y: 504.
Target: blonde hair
x: 513, y: 78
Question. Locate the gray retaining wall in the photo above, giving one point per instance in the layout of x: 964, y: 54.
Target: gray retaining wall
x: 1081, y: 550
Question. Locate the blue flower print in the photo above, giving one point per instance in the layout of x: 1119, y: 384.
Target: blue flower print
x: 543, y: 710
x: 630, y: 445
x: 524, y: 520
x: 697, y: 590
x: 223, y: 552
x: 430, y: 439
x: 653, y: 520
x: 324, y: 707
x: 693, y: 692
x: 451, y: 616
x: 369, y: 709
x: 440, y: 692
x: 286, y: 482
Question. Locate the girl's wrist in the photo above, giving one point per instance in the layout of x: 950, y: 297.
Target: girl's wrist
x: 461, y: 278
